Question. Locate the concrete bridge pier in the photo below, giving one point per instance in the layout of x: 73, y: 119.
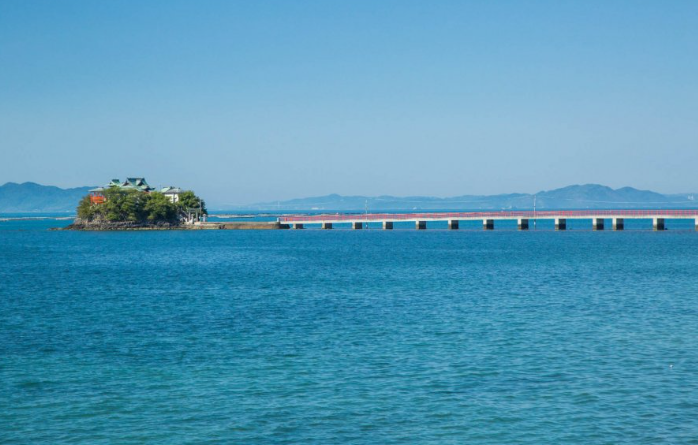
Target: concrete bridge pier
x: 618, y: 224
x: 696, y: 223
x: 357, y: 225
x: 421, y: 225
x: 298, y: 226
x: 326, y: 226
x: 658, y: 224
x: 522, y: 224
x: 597, y: 223
x: 452, y: 224
x: 387, y: 225
x: 488, y: 224
x: 560, y: 224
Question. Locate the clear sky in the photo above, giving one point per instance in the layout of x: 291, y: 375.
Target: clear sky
x: 247, y: 101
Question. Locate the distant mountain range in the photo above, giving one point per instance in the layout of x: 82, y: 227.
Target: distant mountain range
x: 589, y: 196
x: 31, y: 197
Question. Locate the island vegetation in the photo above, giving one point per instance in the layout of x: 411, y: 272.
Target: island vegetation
x: 123, y: 208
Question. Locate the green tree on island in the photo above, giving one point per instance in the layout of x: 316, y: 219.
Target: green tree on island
x: 188, y: 200
x: 138, y: 207
x: 158, y: 207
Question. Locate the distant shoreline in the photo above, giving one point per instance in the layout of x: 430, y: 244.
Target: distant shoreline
x: 37, y: 218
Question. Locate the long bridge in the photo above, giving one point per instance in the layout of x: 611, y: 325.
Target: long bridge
x: 523, y: 218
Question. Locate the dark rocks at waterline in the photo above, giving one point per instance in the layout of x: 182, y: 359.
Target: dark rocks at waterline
x: 101, y: 225
x: 80, y: 224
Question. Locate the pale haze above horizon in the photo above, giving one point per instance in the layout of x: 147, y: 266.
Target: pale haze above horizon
x: 247, y: 101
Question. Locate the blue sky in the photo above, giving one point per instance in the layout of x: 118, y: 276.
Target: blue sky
x: 248, y: 101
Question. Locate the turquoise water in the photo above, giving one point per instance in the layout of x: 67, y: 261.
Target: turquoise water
x: 361, y: 337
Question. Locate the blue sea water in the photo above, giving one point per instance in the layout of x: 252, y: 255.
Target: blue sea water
x: 357, y: 337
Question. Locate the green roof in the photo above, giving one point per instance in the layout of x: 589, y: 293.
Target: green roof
x: 139, y: 184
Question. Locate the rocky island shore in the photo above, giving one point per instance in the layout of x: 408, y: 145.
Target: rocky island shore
x: 103, y: 225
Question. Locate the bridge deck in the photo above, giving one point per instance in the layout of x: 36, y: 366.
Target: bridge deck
x: 470, y: 216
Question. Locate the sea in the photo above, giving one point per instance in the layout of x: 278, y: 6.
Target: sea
x: 349, y: 336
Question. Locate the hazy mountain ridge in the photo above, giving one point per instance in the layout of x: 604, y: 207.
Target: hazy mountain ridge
x: 31, y: 197
x: 570, y: 197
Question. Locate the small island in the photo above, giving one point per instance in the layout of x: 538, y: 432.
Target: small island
x: 135, y: 205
